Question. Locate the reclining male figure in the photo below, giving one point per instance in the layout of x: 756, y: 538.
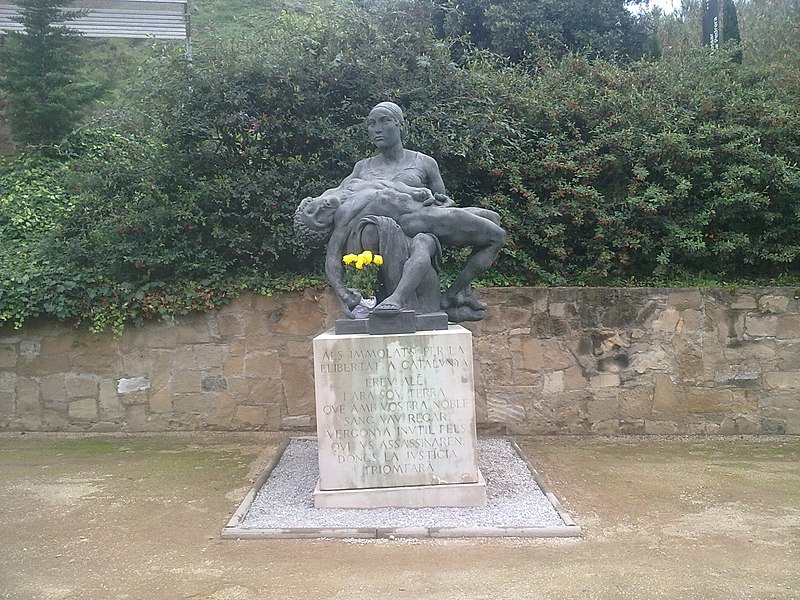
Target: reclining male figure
x: 337, y: 210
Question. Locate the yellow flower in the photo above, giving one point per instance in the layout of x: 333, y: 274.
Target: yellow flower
x: 349, y: 258
x: 378, y: 259
x: 360, y: 263
x: 366, y: 256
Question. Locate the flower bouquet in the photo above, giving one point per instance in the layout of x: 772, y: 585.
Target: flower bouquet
x: 361, y: 274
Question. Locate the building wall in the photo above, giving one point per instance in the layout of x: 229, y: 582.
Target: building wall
x: 547, y: 361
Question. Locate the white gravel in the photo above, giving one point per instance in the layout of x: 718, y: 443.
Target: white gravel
x: 513, y: 497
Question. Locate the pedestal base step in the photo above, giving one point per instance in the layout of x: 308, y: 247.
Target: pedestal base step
x: 418, y: 496
x: 406, y: 321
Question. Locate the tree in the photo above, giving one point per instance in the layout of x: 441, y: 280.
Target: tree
x: 730, y: 28
x: 514, y: 28
x: 39, y: 74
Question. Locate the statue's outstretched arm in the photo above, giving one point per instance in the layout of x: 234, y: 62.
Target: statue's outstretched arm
x: 335, y: 271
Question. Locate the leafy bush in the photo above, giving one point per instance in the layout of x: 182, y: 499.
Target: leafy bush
x: 602, y: 173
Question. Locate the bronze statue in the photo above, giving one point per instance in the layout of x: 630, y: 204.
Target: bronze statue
x: 399, y: 196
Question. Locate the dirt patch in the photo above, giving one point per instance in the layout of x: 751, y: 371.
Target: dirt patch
x: 99, y: 517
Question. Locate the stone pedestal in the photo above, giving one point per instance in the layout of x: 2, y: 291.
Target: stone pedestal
x: 396, y: 420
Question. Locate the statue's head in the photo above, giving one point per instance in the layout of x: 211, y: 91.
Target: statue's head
x: 385, y: 124
x: 313, y: 219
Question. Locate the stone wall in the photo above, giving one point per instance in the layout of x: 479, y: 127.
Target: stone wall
x: 547, y: 361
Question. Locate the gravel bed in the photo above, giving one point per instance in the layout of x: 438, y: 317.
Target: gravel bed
x: 513, y: 497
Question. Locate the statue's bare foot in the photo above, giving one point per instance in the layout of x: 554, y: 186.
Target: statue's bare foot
x: 459, y: 314
x: 463, y: 297
x: 388, y: 307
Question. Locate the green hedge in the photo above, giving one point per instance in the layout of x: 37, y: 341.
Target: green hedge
x: 603, y: 173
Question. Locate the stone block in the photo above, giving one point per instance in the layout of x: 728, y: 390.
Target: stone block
x: 636, y: 403
x: 770, y: 305
x: 547, y: 326
x: 708, y: 400
x: 37, y: 367
x: 554, y: 382
x: 603, y: 407
x: 793, y: 422
x: 652, y: 357
x: 610, y: 427
x: 783, y: 381
x: 739, y: 425
x: 187, y: 382
x: 109, y: 404
x: 6, y: 404
x: 504, y: 407
x: 137, y: 361
x: 262, y: 364
x: 51, y: 420
x: 788, y: 357
x: 574, y: 379
x: 788, y: 327
x: 239, y: 388
x: 61, y: 342
x: 162, y: 335
x: 193, y: 330
x: 688, y: 361
x: 265, y: 391
x: 221, y: 416
x: 604, y: 380
x: 772, y: 427
x: 298, y: 386
x: 494, y: 354
x: 30, y: 349
x: 214, y: 383
x: 209, y: 357
x: 267, y: 303
x: 161, y: 372
x: 299, y: 319
x: 140, y: 397
x: 556, y: 356
x: 757, y: 326
x: 234, y: 361
x: 302, y: 349
x: 137, y: 418
x: 744, y: 302
x: 160, y: 401
x: 249, y: 416
x: 81, y: 386
x: 189, y: 404
x: 28, y: 397
x: 83, y: 410
x: 130, y: 385
x: 666, y: 396
x: 530, y: 351
x: 685, y: 299
x: 230, y: 325
x: 514, y: 316
x: 8, y: 356
x: 53, y: 388
x: 631, y: 427
x: 258, y: 329
x: 8, y: 382
x: 296, y: 421
x: 667, y: 321
x: 779, y: 399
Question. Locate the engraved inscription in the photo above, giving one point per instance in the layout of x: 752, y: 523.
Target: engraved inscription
x: 396, y: 413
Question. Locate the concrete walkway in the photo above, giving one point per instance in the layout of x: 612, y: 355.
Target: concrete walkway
x: 139, y: 516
